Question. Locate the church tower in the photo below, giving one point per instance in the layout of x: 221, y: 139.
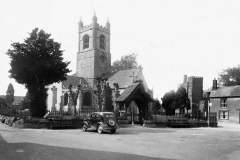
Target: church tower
x: 93, y: 56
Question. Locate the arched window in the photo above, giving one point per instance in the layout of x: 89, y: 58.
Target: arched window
x: 85, y: 41
x: 102, y: 42
x: 87, y: 99
x: 65, y: 99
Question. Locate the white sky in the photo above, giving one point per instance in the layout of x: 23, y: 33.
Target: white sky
x: 171, y: 37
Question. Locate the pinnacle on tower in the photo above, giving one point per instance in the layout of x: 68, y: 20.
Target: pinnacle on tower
x: 107, y: 24
x: 94, y: 18
x: 80, y: 23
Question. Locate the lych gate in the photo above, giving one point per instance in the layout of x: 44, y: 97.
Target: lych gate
x: 134, y: 103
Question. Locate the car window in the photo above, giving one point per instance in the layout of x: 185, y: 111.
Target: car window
x: 93, y: 115
x: 109, y: 115
x: 98, y: 116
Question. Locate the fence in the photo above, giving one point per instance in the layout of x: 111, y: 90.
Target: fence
x: 179, y: 120
x: 79, y: 114
x: 13, y: 112
x: 166, y: 118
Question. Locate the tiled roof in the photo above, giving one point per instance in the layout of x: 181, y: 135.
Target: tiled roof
x: 229, y: 92
x: 126, y: 93
x: 124, y: 78
x: 133, y: 90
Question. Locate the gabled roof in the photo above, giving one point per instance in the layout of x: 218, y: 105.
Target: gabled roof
x: 124, y: 78
x: 126, y: 93
x: 127, y: 77
x: 228, y: 92
x: 131, y: 92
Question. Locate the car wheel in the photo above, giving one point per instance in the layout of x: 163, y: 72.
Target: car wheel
x: 113, y: 131
x: 100, y: 129
x: 84, y: 128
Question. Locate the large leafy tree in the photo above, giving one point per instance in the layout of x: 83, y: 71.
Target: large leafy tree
x: 182, y: 100
x: 2, y: 102
x: 126, y: 62
x: 230, y: 76
x: 10, y: 95
x: 169, y: 102
x: 26, y: 102
x: 176, y: 100
x: 37, y: 62
x: 156, y: 109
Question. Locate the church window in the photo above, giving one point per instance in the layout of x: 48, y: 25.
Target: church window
x: 87, y: 99
x: 85, y: 41
x: 65, y: 99
x: 102, y: 42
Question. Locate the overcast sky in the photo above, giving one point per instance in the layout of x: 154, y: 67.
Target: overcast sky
x: 171, y: 37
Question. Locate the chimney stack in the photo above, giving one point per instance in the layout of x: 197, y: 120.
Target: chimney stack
x: 214, y: 86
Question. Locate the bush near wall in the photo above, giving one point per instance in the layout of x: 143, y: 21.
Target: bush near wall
x: 176, y: 121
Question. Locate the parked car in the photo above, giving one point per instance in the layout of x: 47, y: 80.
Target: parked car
x: 101, y: 122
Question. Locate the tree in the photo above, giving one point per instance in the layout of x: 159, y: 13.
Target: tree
x: 126, y: 62
x: 104, y: 96
x: 73, y: 96
x: 169, y: 102
x: 2, y: 102
x: 10, y: 95
x: 108, y: 98
x: 156, y: 107
x: 26, y: 102
x: 37, y: 62
x: 182, y: 100
x: 230, y: 76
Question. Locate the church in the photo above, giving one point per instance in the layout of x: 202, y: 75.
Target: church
x: 89, y: 89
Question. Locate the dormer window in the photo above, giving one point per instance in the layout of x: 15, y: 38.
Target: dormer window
x: 102, y: 42
x: 85, y: 41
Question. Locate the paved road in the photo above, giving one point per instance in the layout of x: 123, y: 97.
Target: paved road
x: 134, y: 143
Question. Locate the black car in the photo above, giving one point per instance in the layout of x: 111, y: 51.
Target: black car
x: 101, y: 122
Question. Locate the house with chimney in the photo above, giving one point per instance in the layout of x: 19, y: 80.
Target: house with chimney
x: 225, y: 101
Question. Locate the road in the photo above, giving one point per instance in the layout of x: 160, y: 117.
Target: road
x: 134, y: 143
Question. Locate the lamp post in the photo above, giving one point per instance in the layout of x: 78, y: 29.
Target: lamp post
x: 132, y: 115
x: 209, y: 106
x: 238, y: 109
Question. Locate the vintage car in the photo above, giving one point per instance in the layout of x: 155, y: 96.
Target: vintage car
x: 101, y: 122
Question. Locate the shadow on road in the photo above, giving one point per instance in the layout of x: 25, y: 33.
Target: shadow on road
x: 31, y: 151
x: 140, y: 130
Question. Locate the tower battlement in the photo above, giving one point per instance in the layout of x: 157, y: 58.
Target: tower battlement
x: 85, y: 28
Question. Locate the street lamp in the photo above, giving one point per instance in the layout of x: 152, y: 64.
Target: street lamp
x: 209, y: 106
x: 132, y: 115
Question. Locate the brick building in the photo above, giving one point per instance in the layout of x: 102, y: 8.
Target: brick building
x: 225, y: 101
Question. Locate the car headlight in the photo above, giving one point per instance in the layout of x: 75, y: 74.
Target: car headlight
x: 111, y: 122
